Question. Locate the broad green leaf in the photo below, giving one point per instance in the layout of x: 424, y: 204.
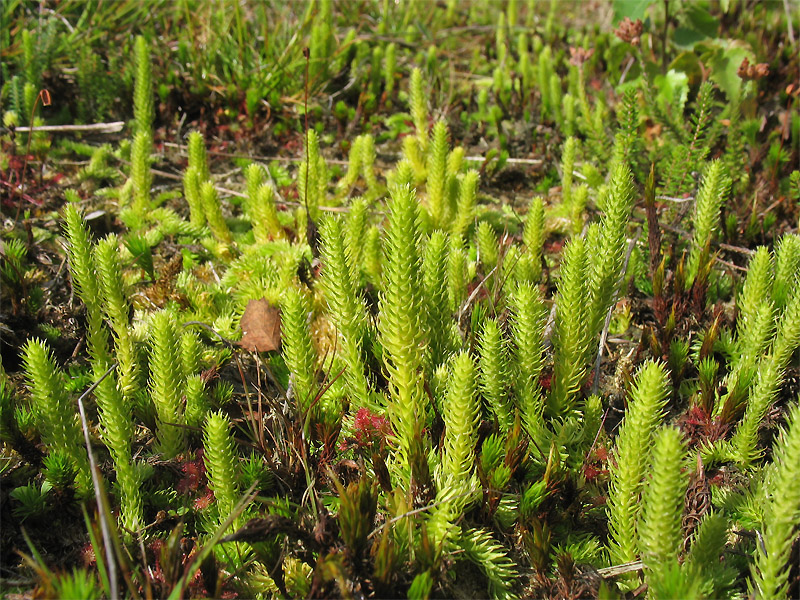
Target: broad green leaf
x: 633, y: 9
x: 673, y: 89
x: 724, y: 61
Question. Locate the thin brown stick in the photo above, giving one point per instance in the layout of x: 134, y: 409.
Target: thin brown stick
x: 113, y: 127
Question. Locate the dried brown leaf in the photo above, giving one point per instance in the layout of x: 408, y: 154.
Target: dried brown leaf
x: 261, y: 327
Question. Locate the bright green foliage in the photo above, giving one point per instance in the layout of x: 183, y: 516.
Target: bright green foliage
x: 321, y: 46
x: 354, y: 233
x: 312, y: 176
x: 713, y: 193
x: 494, y: 373
x: 191, y: 351
x: 703, y: 559
x: 457, y: 483
x: 437, y: 171
x: 545, y: 77
x: 86, y: 282
x: 455, y: 165
x: 607, y: 261
x: 434, y: 282
x: 769, y: 376
x: 197, y: 404
x: 456, y: 274
x: 79, y: 583
x: 467, y: 197
x: 627, y: 142
x: 491, y: 557
x: 221, y: 463
x: 141, y: 176
x: 419, y: 110
x: 191, y: 191
x: 91, y: 272
x: 755, y: 325
x: 166, y: 384
x: 117, y: 308
x: 527, y: 329
x: 580, y: 197
x: 787, y: 268
x: 488, y: 248
x: 298, y: 351
x: 198, y: 159
x: 461, y: 418
x: 57, y: 417
x: 373, y: 255
x: 389, y: 68
x: 213, y: 212
x: 631, y: 454
x: 771, y: 568
x: 570, y: 336
x: 533, y: 238
x: 354, y: 159
x: 662, y: 504
x: 567, y: 167
x: 402, y: 323
x: 347, y: 309
x: 143, y: 111
x: 264, y: 216
x: 368, y: 156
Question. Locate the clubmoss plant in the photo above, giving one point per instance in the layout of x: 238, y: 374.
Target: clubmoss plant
x: 568, y: 153
x: 456, y: 274
x: 312, y: 176
x: 787, y: 268
x: 191, y: 191
x: 346, y: 308
x: 197, y: 403
x: 466, y: 205
x: 754, y: 328
x: 713, y: 193
x: 495, y: 373
x: 660, y: 532
x: 143, y: 110
x: 607, y: 262
x: 570, y: 335
x: 354, y: 233
x: 117, y: 309
x: 771, y: 569
x: 461, y: 417
x: 419, y: 109
x: 402, y: 323
x: 86, y: 282
x: 533, y: 238
x: 221, y: 463
x: 770, y: 373
x: 368, y: 156
x: 96, y: 277
x: 297, y: 349
x: 191, y: 349
x: 488, y: 247
x: 437, y: 305
x: 491, y: 557
x: 57, y: 418
x: 141, y: 176
x: 166, y: 384
x: 528, y: 316
x: 264, y: 216
x: 632, y: 452
x: 437, y: 176
x: 213, y: 212
x: 703, y: 558
x: 144, y: 113
x: 198, y: 157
